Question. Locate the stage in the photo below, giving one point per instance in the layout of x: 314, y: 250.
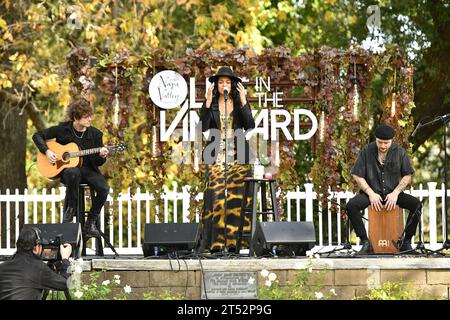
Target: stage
x: 349, y: 276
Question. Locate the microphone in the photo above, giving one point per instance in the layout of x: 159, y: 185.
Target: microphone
x: 415, y: 130
x: 225, y: 93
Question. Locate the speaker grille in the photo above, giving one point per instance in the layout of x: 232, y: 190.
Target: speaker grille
x: 71, y: 234
x: 291, y: 237
x: 170, y: 237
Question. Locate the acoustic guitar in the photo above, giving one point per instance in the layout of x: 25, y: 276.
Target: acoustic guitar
x: 68, y: 156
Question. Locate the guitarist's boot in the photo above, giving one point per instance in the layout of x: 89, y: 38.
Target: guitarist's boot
x: 90, y: 230
x: 68, y: 214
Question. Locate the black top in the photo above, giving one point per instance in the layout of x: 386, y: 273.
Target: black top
x: 65, y: 133
x: 242, y: 118
x: 25, y: 276
x: 383, y: 179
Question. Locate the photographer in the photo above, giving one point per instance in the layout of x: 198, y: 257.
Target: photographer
x: 25, y: 276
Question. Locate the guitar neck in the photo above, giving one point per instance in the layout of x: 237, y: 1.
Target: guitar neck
x: 84, y: 152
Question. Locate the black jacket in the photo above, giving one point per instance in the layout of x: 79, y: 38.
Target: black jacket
x: 25, y: 276
x: 242, y: 119
x: 64, y: 134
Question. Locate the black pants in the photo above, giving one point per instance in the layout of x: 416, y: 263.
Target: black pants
x: 405, y: 201
x: 72, y: 177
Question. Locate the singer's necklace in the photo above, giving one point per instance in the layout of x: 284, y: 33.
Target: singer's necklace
x: 82, y: 134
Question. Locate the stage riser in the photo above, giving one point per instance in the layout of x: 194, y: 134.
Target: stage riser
x: 349, y: 277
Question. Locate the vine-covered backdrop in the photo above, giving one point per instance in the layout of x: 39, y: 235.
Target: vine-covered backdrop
x: 352, y: 91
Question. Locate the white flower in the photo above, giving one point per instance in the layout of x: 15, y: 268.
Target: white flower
x: 251, y: 280
x: 333, y: 292
x: 309, y: 269
x: 117, y: 281
x: 117, y: 277
x: 78, y: 294
x: 77, y: 268
x: 127, y: 289
x: 309, y: 253
x: 317, y: 256
x: 272, y: 276
x: 264, y: 273
x: 319, y: 295
x: 268, y: 283
x: 105, y: 283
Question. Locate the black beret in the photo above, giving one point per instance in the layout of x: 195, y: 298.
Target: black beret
x: 384, y: 132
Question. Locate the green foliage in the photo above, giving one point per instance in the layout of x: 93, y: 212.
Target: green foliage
x: 103, y: 291
x: 396, y: 291
x: 163, y: 296
x: 36, y: 38
x: 307, y: 285
x: 109, y: 290
x: 93, y: 290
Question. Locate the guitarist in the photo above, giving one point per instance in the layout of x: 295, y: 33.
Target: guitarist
x: 78, y: 129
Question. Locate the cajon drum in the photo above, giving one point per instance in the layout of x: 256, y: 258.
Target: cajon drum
x: 385, y: 227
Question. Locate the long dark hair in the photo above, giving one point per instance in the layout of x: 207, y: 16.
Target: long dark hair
x: 234, y: 93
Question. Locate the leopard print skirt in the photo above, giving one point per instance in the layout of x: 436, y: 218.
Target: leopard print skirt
x: 214, y: 220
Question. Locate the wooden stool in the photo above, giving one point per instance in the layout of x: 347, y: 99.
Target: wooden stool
x: 385, y: 227
x: 251, y: 188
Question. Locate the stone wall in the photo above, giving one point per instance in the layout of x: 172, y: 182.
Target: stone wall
x: 349, y: 277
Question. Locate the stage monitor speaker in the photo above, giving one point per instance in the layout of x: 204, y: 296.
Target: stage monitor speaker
x: 164, y: 238
x: 68, y: 233
x: 284, y: 238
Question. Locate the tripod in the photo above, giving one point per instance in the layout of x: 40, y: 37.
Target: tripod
x: 45, y: 292
x: 444, y: 119
x: 98, y: 239
x: 420, y: 244
x: 346, y: 245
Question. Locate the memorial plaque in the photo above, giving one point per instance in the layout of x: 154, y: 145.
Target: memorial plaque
x: 229, y: 285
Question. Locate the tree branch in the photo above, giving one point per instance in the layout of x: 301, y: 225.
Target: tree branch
x: 32, y: 111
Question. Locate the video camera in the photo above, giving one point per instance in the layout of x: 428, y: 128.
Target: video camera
x: 51, y: 251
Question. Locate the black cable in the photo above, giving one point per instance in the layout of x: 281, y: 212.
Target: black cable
x: 170, y: 261
x: 203, y: 277
x: 187, y: 278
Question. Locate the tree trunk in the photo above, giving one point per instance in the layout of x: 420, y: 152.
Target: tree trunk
x: 12, y: 163
x: 13, y: 137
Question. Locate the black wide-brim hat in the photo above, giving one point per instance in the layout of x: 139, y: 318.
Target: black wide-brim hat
x: 224, y: 72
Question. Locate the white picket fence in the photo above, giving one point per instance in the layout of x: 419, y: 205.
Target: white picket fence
x: 126, y: 216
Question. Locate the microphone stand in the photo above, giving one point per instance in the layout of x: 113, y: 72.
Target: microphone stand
x: 444, y: 119
x: 346, y: 245
x: 225, y: 248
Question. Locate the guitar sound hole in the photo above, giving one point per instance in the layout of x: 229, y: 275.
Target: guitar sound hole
x: 65, y: 157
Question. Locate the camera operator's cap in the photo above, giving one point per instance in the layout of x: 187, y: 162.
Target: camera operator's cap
x: 29, y: 237
x: 224, y: 72
x: 384, y: 132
